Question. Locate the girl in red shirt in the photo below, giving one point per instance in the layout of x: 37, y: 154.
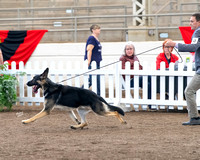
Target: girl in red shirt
x: 167, y: 56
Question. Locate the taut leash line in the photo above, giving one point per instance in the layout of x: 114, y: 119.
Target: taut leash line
x: 88, y: 72
x: 109, y: 65
x: 178, y: 55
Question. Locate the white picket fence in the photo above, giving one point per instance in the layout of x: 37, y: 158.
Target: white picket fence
x: 112, y: 83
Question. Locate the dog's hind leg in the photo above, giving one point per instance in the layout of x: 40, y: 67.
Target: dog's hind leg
x: 116, y: 114
x: 82, y: 111
x: 73, y: 117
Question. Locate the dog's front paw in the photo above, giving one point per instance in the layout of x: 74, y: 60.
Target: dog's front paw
x: 79, y: 126
x: 24, y: 121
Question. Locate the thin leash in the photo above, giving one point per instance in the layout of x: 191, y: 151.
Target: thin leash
x: 88, y: 72
x: 114, y: 63
x: 178, y: 55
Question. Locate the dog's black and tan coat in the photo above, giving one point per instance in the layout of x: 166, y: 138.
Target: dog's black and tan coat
x: 70, y: 98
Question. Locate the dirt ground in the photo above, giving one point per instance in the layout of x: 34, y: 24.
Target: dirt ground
x: 146, y: 136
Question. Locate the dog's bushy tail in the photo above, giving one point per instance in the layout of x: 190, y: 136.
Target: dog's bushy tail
x: 119, y: 110
x: 112, y: 108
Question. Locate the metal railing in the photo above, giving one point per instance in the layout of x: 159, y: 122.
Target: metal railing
x: 195, y: 6
x: 71, y: 21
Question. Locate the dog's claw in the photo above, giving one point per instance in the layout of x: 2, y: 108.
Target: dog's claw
x: 27, y: 121
x: 24, y: 122
x: 124, y: 122
x: 72, y: 127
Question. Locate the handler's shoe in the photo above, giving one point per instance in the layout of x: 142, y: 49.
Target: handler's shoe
x: 192, y: 121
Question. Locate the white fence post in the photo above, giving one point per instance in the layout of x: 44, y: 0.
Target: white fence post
x: 69, y: 76
x: 153, y: 86
x: 136, y: 85
x: 162, y: 84
x: 118, y: 84
x: 145, y: 85
x: 180, y: 85
x: 171, y: 85
x: 36, y: 66
x: 102, y: 82
x: 61, y: 76
x: 21, y: 83
x: 77, y: 79
x: 86, y: 76
x: 29, y: 89
x: 94, y: 77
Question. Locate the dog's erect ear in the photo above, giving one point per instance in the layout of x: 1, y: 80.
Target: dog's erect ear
x: 45, y: 73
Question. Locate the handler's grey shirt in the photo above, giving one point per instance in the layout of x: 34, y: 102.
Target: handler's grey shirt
x: 193, y: 47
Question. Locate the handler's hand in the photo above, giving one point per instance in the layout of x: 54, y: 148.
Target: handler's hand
x: 170, y: 43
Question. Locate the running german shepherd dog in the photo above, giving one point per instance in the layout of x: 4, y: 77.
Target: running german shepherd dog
x: 70, y: 98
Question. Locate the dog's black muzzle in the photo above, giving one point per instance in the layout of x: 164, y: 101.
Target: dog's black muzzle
x: 29, y: 84
x: 35, y: 86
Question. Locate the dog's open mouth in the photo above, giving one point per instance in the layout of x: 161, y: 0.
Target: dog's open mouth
x: 35, y: 89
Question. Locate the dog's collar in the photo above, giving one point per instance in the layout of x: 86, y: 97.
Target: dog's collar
x: 49, y: 93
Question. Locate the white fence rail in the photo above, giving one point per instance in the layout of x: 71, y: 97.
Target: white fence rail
x: 113, y: 87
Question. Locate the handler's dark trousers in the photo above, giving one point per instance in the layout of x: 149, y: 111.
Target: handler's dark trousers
x: 190, y: 94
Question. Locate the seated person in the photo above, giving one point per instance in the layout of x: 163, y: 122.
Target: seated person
x: 129, y: 56
x: 166, y: 56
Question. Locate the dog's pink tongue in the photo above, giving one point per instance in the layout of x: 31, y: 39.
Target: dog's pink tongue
x: 35, y: 89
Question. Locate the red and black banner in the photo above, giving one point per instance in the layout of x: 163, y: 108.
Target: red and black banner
x: 186, y: 33
x: 19, y: 45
